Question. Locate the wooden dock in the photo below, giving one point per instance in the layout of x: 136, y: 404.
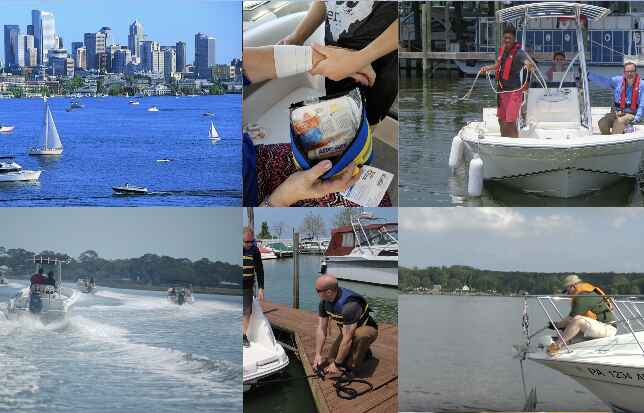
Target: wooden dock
x: 381, y: 371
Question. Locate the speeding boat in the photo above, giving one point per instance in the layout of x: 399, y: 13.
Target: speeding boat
x: 3, y: 281
x: 11, y: 171
x: 365, y: 253
x: 128, y: 189
x: 134, y: 102
x: 74, y: 105
x: 50, y: 143
x: 6, y: 128
x: 560, y: 151
x: 153, y: 109
x: 612, y: 368
x: 86, y: 285
x: 48, y: 303
x: 264, y: 356
x: 180, y: 295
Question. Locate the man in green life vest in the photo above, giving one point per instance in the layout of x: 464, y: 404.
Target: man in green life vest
x: 590, y: 313
x: 252, y: 267
x: 350, y: 311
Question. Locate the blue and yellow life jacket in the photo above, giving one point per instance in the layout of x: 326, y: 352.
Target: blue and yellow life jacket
x: 334, y: 309
x: 360, y: 151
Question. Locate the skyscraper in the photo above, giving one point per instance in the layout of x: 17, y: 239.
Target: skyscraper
x: 135, y: 38
x: 94, y: 46
x: 44, y: 27
x: 107, y: 31
x: 170, y: 62
x: 30, y: 58
x: 122, y: 57
x: 204, y: 55
x: 11, y: 35
x: 181, y: 52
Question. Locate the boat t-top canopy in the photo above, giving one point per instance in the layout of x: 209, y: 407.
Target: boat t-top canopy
x: 551, y: 9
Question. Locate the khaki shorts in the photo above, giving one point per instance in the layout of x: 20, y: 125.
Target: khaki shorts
x: 597, y: 329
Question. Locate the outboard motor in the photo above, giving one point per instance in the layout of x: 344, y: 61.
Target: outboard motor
x: 35, y: 304
x: 181, y: 298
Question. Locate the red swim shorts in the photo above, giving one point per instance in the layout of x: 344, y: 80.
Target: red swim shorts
x: 509, y: 106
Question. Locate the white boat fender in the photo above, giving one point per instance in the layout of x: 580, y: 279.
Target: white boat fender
x: 456, y: 153
x: 475, y: 178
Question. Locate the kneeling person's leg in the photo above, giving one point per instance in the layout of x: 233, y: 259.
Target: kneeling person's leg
x: 620, y: 123
x: 596, y: 329
x: 606, y: 123
x: 362, y: 339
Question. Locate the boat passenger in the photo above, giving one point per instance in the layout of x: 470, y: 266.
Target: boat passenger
x: 252, y: 267
x: 558, y: 65
x: 50, y: 279
x: 590, y: 313
x: 512, y: 59
x: 38, y: 278
x: 358, y: 330
x: 627, y: 99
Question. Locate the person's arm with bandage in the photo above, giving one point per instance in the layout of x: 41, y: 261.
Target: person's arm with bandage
x: 340, y: 63
x: 271, y: 62
x: 313, y: 19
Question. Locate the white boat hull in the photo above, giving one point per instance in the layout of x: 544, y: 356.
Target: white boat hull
x: 55, y: 307
x: 558, y: 166
x: 46, y: 151
x: 265, y: 356
x: 7, y: 129
x: 20, y: 176
x: 376, y: 270
x: 611, y: 368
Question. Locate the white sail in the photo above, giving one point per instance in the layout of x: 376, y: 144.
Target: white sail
x: 212, y: 134
x: 52, y: 132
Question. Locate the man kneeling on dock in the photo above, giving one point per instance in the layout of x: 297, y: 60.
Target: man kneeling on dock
x: 358, y: 330
x: 590, y: 313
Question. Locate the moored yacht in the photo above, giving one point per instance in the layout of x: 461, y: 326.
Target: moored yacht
x: 11, y: 171
x: 366, y: 253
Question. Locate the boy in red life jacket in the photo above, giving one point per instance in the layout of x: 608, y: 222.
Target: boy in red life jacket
x: 627, y: 99
x: 508, y: 68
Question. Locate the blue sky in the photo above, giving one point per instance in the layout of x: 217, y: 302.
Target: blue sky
x: 293, y: 217
x: 524, y: 239
x: 163, y: 21
x: 194, y: 233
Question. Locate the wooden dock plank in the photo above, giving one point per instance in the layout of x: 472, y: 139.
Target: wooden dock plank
x: 382, y: 371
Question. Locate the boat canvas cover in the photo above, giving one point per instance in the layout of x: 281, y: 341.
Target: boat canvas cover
x: 337, y: 246
x: 551, y: 9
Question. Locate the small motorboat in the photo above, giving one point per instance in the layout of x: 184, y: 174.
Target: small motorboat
x: 208, y: 114
x: 86, y: 285
x: 164, y: 160
x: 50, y: 303
x: 128, y: 189
x: 264, y: 356
x: 50, y: 140
x: 11, y: 171
x: 3, y: 281
x: 612, y: 368
x: 560, y: 151
x: 153, y: 109
x: 267, y: 253
x: 6, y: 128
x: 134, y: 102
x: 181, y: 295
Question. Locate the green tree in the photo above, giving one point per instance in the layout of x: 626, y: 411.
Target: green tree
x: 264, y: 233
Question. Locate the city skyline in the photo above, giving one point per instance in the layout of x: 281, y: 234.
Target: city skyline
x: 215, y: 19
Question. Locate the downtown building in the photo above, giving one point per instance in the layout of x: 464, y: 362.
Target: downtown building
x: 204, y: 55
x: 95, y: 50
x: 135, y: 40
x: 181, y: 53
x: 44, y: 32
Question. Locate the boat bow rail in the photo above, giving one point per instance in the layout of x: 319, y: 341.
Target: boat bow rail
x: 627, y: 312
x: 551, y: 9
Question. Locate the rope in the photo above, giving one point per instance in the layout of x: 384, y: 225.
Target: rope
x: 494, y: 89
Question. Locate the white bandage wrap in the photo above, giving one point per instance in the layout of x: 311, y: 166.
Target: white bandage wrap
x: 291, y: 60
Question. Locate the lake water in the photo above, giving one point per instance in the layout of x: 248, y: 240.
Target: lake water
x: 431, y: 115
x: 459, y: 357
x: 294, y: 396
x: 125, y: 351
x: 111, y: 143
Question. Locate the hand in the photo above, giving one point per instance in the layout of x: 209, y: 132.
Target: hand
x: 551, y: 326
x: 529, y: 66
x: 317, y: 361
x: 636, y: 120
x: 290, y: 39
x: 339, y: 63
x: 260, y: 294
x: 485, y: 69
x: 333, y: 369
x: 307, y: 184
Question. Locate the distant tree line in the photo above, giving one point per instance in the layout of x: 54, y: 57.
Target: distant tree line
x: 512, y: 282
x: 149, y: 269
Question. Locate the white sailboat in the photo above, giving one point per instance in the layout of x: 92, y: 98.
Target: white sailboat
x: 50, y: 144
x: 212, y: 132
